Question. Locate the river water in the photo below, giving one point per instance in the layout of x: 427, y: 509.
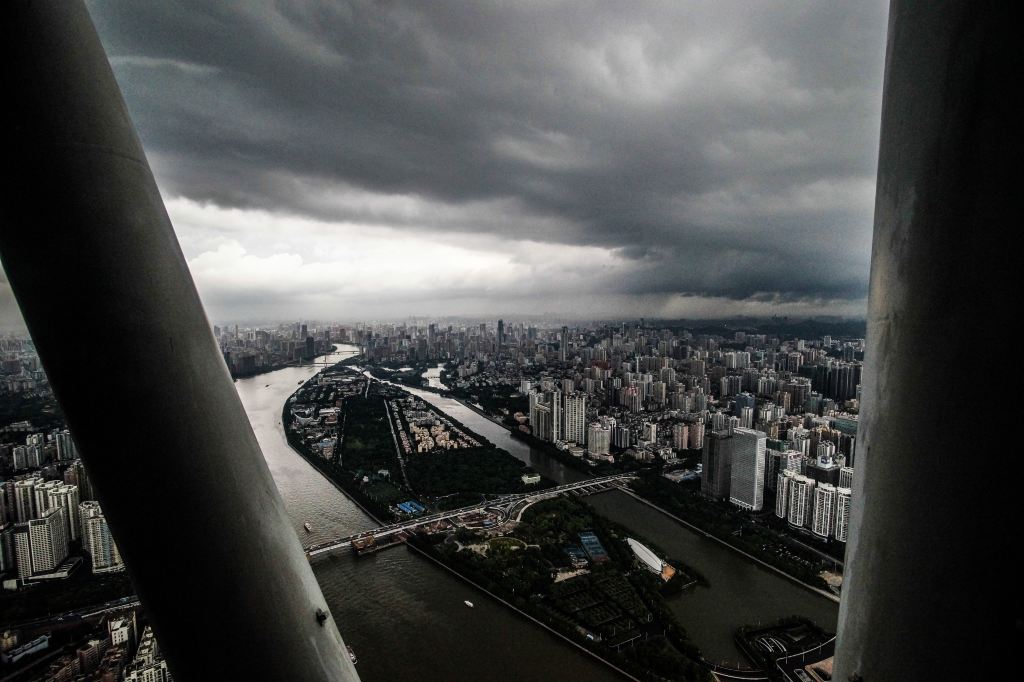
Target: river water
x: 433, y: 377
x: 405, y: 617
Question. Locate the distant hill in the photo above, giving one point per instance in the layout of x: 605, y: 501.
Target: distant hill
x: 781, y: 327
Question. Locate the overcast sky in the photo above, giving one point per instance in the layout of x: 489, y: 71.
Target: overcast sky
x: 368, y: 160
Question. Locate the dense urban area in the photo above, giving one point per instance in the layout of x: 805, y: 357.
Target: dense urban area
x: 745, y: 434
x: 762, y: 424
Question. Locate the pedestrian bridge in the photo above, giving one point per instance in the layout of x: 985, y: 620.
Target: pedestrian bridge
x: 507, y: 508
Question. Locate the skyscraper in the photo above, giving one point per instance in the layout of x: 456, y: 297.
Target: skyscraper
x: 783, y: 484
x: 41, y: 544
x: 717, y: 465
x: 65, y: 497
x: 42, y: 495
x: 801, y: 501
x: 65, y: 446
x: 75, y: 475
x: 599, y: 439
x: 846, y: 477
x: 622, y: 436
x: 554, y: 399
x: 696, y: 435
x: 575, y: 417
x: 746, y: 417
x: 25, y: 499
x: 844, y: 497
x: 680, y: 436
x: 97, y: 541
x: 824, y: 510
x: 631, y: 398
x: 746, y: 485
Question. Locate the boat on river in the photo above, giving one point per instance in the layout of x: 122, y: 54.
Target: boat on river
x: 468, y: 603
x: 309, y: 528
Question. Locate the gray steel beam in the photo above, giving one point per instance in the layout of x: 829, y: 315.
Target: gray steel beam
x: 94, y: 263
x: 927, y: 593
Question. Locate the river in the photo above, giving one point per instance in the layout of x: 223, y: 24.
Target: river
x: 405, y: 617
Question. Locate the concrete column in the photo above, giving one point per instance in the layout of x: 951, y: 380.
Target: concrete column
x: 928, y: 595
x: 108, y: 298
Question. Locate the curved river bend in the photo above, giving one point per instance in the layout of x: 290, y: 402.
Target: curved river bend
x: 405, y: 617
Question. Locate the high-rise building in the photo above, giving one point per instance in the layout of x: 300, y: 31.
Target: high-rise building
x: 537, y: 404
x: 743, y: 400
x: 563, y: 345
x: 717, y: 465
x: 575, y: 417
x: 746, y: 417
x: 824, y: 510
x: 746, y: 486
x: 826, y: 452
x: 680, y: 436
x: 149, y: 664
x: 42, y: 495
x: 65, y: 497
x: 541, y: 422
x: 844, y: 497
x: 599, y: 439
x: 846, y: 477
x: 41, y: 543
x: 622, y: 436
x: 97, y: 540
x: 794, y: 461
x: 66, y: 450
x: 783, y: 483
x: 25, y: 499
x: 631, y: 397
x: 19, y: 457
x: 696, y: 435
x: 8, y: 558
x: 658, y: 392
x: 75, y: 475
x: 730, y: 385
x: 801, y: 501
x: 122, y: 630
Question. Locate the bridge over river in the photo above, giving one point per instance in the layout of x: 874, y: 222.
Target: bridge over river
x: 506, y: 508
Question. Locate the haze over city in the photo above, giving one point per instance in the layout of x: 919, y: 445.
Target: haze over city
x: 365, y: 162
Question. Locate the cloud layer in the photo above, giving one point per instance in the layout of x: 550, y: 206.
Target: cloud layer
x: 667, y: 156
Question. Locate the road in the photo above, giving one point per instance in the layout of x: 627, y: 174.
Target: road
x: 81, y: 613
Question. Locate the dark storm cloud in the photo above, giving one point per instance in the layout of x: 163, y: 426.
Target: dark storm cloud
x: 724, y: 149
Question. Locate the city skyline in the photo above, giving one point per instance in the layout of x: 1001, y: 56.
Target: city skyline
x: 668, y: 162
x: 754, y: 427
